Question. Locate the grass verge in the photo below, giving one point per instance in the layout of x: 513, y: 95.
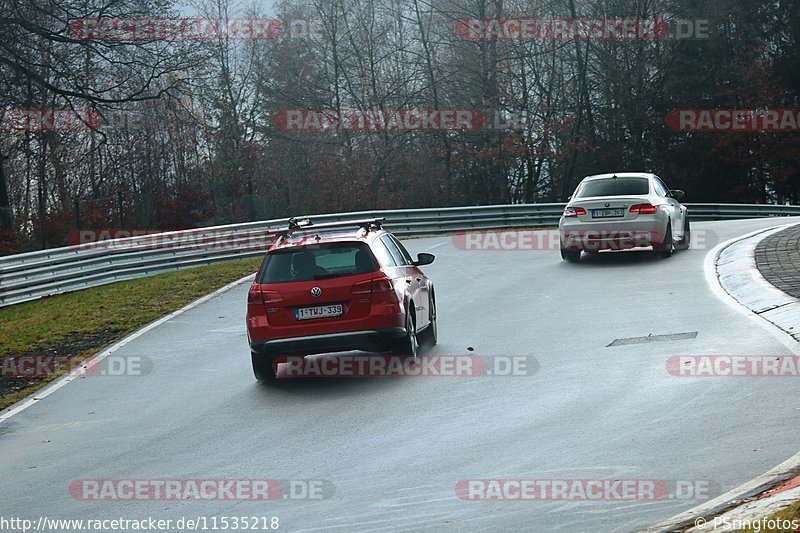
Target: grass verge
x: 79, y: 324
x: 781, y: 521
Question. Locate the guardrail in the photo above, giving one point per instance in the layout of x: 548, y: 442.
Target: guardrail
x: 33, y: 275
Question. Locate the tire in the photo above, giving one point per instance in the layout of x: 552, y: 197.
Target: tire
x: 667, y: 247
x: 409, y: 344
x: 686, y: 241
x: 263, y: 369
x: 430, y: 335
x: 571, y: 256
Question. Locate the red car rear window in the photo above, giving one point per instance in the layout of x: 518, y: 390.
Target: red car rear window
x: 318, y: 261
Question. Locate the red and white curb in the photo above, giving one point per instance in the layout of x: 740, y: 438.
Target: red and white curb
x: 752, y: 510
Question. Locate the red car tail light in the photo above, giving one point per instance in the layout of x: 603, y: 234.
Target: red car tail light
x: 272, y: 297
x: 574, y: 211
x: 644, y: 209
x: 362, y: 287
x: 258, y: 296
x: 381, y: 286
x: 254, y: 295
x: 372, y: 285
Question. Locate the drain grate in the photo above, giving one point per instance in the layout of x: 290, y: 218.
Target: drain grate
x: 653, y: 338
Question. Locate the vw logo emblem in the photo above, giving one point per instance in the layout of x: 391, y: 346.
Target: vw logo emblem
x: 316, y: 291
x: 607, y: 204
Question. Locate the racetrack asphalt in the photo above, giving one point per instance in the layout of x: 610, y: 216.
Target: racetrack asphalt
x: 395, y: 448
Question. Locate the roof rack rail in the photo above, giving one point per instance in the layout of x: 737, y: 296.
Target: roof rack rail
x: 305, y: 225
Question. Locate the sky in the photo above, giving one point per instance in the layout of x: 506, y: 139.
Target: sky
x: 187, y: 10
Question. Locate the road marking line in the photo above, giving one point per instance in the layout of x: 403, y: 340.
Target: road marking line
x: 435, y: 246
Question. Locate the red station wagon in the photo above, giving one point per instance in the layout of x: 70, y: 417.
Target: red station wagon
x: 338, y: 287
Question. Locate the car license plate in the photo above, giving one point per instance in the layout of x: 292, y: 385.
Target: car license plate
x: 607, y: 213
x: 322, y: 311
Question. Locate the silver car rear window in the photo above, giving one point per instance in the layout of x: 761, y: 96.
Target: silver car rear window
x: 614, y: 187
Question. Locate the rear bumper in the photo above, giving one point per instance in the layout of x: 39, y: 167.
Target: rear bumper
x: 616, y: 235
x: 374, y: 340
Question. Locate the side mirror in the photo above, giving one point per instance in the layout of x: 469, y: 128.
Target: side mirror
x: 424, y: 259
x: 677, y: 194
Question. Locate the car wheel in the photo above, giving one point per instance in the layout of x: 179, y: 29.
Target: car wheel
x: 572, y: 256
x: 429, y: 337
x: 263, y: 369
x: 684, y: 243
x: 409, y: 344
x: 667, y: 247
